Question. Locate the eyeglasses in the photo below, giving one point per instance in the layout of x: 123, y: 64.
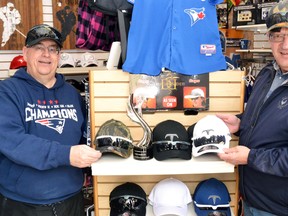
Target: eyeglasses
x: 276, y: 18
x: 114, y: 141
x: 127, y: 205
x: 40, y: 48
x: 276, y: 37
x: 167, y: 145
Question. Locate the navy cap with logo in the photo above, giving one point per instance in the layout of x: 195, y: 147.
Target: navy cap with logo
x: 43, y: 32
x: 128, y: 199
x: 171, y: 140
x: 211, y: 198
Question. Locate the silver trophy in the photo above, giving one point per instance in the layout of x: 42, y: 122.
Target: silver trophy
x: 142, y: 150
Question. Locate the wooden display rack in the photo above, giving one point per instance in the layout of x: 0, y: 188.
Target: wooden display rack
x: 109, y: 91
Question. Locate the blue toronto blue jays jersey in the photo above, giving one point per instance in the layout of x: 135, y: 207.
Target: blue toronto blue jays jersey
x: 179, y: 35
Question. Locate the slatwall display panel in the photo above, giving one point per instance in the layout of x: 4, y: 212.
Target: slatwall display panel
x: 109, y: 92
x: 65, y: 14
x: 17, y: 17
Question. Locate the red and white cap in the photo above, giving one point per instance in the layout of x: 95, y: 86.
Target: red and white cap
x: 170, y: 196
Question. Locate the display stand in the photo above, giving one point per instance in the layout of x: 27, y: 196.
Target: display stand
x: 109, y: 91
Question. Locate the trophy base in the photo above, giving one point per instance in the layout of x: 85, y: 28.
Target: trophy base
x: 143, y: 153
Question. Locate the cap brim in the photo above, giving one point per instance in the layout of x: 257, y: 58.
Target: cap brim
x: 209, y: 212
x: 141, y: 212
x: 170, y: 210
x: 120, y: 152
x: 192, y: 96
x: 41, y: 39
x: 208, y: 148
x: 278, y: 25
x: 185, y: 155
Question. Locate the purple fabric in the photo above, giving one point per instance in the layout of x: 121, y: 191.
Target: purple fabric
x: 94, y: 29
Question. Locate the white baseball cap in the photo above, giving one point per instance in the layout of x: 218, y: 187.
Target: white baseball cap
x: 170, y: 196
x: 210, y: 135
x: 195, y: 93
x: 66, y: 60
x: 88, y: 60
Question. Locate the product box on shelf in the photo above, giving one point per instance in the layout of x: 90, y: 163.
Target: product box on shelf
x: 244, y: 15
x: 262, y: 11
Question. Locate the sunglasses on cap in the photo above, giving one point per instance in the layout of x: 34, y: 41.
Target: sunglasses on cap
x: 212, y: 207
x: 114, y: 141
x: 40, y: 32
x: 217, y: 213
x: 276, y: 18
x: 215, y: 139
x: 167, y: 145
x: 127, y: 205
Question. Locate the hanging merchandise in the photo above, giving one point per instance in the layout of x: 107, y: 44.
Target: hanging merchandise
x: 95, y: 30
x: 184, y: 38
x: 110, y: 7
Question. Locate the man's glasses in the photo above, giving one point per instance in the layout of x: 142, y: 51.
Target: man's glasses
x: 127, y: 205
x: 277, y: 37
x: 276, y: 18
x: 171, y: 145
x: 113, y: 141
x: 40, y: 48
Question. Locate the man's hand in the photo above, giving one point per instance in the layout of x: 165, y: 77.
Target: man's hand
x: 231, y: 121
x: 237, y: 155
x: 83, y: 156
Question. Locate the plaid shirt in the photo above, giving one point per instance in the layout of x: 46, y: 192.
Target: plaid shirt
x: 95, y: 30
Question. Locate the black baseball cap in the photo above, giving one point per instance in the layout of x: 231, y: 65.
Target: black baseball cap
x: 128, y: 199
x: 171, y: 140
x: 43, y: 32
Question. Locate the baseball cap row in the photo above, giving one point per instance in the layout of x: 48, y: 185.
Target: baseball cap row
x: 170, y: 139
x: 171, y: 196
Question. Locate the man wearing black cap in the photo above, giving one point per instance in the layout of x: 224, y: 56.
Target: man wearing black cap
x: 42, y: 123
x: 262, y: 154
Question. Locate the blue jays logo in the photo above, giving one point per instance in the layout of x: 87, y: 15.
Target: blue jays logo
x: 195, y: 14
x: 53, y: 123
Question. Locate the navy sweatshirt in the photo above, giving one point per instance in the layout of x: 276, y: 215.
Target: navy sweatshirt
x: 38, y: 126
x: 264, y: 129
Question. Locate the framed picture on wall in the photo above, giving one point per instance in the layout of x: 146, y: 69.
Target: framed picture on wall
x: 65, y: 20
x: 222, y: 15
x: 16, y: 18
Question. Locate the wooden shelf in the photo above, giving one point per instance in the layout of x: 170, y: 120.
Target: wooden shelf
x: 113, y: 165
x: 255, y: 28
x: 254, y: 50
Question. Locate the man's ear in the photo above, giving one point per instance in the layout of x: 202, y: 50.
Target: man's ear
x: 24, y: 51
